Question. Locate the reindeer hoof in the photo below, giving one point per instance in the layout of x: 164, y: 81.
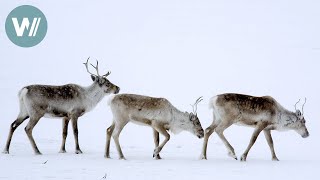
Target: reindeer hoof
x: 157, y: 157
x: 243, y: 158
x: 62, y: 151
x: 203, y: 157
x: 122, y: 158
x: 38, y: 153
x: 275, y: 159
x: 78, y: 151
x: 156, y: 152
x: 5, y: 152
x: 233, y: 155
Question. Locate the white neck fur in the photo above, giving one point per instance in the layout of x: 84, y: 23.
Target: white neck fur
x: 180, y: 121
x: 94, y: 94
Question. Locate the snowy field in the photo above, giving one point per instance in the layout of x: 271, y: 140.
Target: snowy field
x: 178, y: 49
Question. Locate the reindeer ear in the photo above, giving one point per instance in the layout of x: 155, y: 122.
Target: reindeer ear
x: 298, y: 113
x: 190, y: 116
x: 93, y: 77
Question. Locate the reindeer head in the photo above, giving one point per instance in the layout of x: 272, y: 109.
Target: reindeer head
x: 196, y: 125
x: 300, y: 124
x: 102, y: 81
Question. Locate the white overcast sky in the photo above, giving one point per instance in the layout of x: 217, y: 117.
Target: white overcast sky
x: 178, y: 49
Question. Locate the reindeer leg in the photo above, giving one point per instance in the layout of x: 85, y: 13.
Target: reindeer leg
x: 109, y: 133
x: 13, y: 127
x: 164, y: 132
x: 267, y: 134
x: 253, y: 139
x: 31, y: 124
x: 207, y: 134
x: 75, y: 133
x: 219, y: 129
x: 116, y: 134
x: 65, y: 123
x: 156, y: 140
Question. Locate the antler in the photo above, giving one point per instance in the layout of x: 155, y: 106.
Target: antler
x: 86, y: 64
x: 108, y: 73
x: 305, y: 100
x: 295, y: 106
x: 194, y: 106
x: 96, y: 68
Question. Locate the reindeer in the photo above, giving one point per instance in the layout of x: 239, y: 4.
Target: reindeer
x: 158, y: 113
x: 262, y: 113
x: 68, y: 102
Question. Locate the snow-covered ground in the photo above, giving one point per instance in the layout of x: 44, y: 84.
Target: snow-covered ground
x: 178, y: 49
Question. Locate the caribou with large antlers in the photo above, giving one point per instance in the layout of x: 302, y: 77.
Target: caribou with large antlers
x: 158, y: 113
x: 68, y: 102
x: 262, y: 113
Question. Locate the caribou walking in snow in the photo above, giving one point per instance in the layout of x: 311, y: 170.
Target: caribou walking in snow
x: 158, y: 113
x: 262, y: 113
x: 68, y: 102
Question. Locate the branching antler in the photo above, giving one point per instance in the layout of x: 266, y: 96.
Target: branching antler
x: 108, y: 73
x: 194, y: 106
x: 295, y: 106
x: 305, y: 100
x: 96, y: 68
x: 86, y: 64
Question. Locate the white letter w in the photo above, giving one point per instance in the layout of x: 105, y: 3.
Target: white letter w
x: 25, y: 24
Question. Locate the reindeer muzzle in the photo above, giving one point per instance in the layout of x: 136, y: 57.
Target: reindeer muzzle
x: 305, y: 135
x: 117, y: 90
